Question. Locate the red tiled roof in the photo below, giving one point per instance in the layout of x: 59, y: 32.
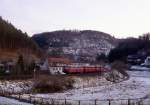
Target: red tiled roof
x: 59, y: 60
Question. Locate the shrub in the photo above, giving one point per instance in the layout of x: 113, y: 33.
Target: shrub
x: 2, y: 72
x: 46, y: 84
x: 119, y: 65
x: 118, y: 72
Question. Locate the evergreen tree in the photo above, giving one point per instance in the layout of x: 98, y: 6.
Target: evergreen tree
x: 20, y: 65
x: 13, y: 39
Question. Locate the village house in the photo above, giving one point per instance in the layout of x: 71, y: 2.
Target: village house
x: 57, y: 64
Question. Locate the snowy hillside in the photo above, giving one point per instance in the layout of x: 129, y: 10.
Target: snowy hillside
x: 82, y: 45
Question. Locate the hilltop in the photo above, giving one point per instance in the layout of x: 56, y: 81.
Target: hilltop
x: 79, y: 45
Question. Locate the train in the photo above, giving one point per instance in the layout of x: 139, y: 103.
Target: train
x: 77, y: 70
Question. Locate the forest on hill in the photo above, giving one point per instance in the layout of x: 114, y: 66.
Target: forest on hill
x: 15, y: 41
x: 139, y: 47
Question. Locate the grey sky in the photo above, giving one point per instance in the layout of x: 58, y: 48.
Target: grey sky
x: 121, y: 18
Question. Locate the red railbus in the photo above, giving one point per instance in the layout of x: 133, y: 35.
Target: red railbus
x: 88, y: 69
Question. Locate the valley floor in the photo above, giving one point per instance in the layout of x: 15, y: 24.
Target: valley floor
x: 89, y: 89
x: 138, y: 86
x: 7, y: 101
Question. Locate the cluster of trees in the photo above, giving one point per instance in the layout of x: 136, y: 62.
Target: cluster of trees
x: 21, y: 67
x: 24, y: 67
x: 130, y: 46
x: 12, y: 38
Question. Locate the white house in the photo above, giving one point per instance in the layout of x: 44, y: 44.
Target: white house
x: 56, y: 70
x: 147, y: 62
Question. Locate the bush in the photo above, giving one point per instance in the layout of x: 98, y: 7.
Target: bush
x: 2, y: 72
x: 46, y: 84
x: 118, y: 72
x: 119, y: 65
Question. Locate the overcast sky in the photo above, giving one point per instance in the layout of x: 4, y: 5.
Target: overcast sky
x: 121, y: 18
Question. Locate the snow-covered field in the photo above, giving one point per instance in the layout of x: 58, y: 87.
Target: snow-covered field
x: 97, y: 88
x: 7, y: 101
x: 89, y: 89
x: 15, y: 86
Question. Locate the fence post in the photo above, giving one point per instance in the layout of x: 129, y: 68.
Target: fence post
x: 65, y: 102
x: 19, y: 96
x: 52, y: 101
x: 30, y: 98
x: 95, y: 102
x: 42, y: 101
x: 13, y: 91
x: 109, y: 102
x: 34, y: 100
x: 9, y: 93
x: 129, y: 102
x: 141, y: 102
x: 2, y: 92
x: 79, y: 102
